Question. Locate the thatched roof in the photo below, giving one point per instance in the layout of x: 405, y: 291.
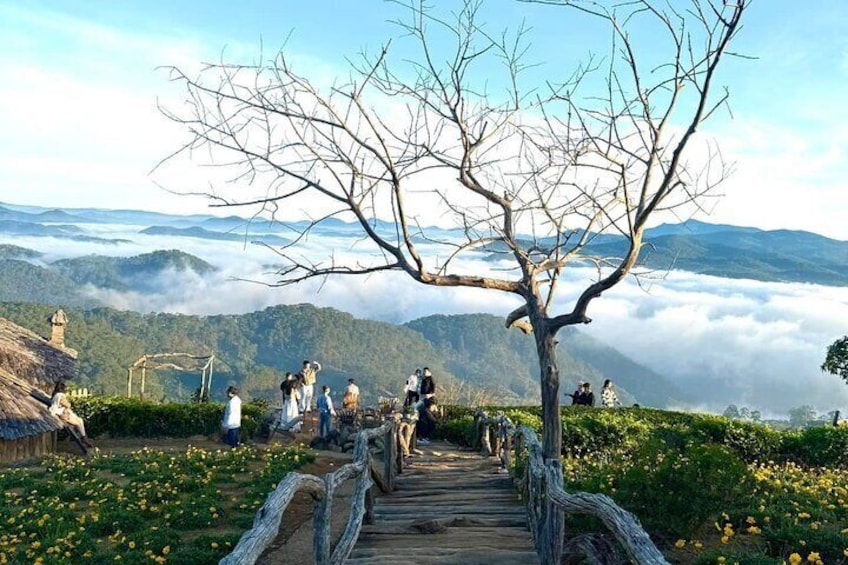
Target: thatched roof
x: 32, y: 358
x: 29, y: 368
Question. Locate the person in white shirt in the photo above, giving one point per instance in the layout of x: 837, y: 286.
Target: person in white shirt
x: 310, y: 373
x: 411, y: 389
x: 232, y: 417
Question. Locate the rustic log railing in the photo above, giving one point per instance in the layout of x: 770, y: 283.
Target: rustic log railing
x: 266, y: 525
x: 541, y: 486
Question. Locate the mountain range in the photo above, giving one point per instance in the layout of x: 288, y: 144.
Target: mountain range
x: 695, y: 246
x: 253, y: 351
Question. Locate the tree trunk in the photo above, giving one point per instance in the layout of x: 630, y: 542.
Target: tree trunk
x: 551, y: 534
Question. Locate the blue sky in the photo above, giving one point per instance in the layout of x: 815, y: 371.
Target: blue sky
x: 80, y: 85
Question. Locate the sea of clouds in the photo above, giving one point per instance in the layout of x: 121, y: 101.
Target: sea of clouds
x: 722, y: 341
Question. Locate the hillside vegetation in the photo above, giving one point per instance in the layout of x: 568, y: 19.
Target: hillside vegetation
x: 253, y: 350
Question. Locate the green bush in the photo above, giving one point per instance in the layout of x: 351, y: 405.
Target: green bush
x: 131, y: 417
x: 674, y: 492
x: 824, y: 446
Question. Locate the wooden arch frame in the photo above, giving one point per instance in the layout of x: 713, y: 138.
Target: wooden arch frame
x: 177, y: 361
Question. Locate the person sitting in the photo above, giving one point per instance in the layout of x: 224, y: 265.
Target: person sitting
x: 426, y: 420
x: 350, y: 400
x: 60, y: 406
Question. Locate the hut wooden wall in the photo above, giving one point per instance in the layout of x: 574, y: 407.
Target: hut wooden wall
x: 27, y: 447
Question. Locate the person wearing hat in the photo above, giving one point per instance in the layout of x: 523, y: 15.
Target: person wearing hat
x: 350, y: 400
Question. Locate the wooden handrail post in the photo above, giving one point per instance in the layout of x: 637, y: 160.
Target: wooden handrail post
x: 321, y: 522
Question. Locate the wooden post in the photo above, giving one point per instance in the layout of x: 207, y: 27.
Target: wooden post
x: 143, y: 372
x: 836, y: 418
x: 321, y: 522
x: 389, y: 446
x: 202, y: 384
x: 369, y: 506
x: 209, y: 379
x: 129, y: 383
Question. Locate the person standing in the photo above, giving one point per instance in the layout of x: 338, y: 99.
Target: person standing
x: 232, y: 417
x: 577, y: 395
x: 427, y: 407
x: 309, y: 372
x: 289, y: 414
x: 325, y: 412
x: 587, y: 398
x: 608, y: 397
x: 411, y: 389
x: 350, y: 400
x: 428, y: 385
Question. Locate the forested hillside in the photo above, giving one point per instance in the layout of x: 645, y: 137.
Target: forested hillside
x: 254, y: 350
x: 25, y: 279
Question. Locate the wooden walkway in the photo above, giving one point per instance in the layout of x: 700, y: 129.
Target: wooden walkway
x: 449, y: 507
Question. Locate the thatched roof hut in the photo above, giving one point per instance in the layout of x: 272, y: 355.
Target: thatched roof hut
x: 30, y: 366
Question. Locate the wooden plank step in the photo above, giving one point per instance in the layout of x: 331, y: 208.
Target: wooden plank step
x: 439, y: 556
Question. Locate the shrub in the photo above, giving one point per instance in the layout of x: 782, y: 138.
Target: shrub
x: 674, y: 492
x: 824, y: 446
x: 131, y: 417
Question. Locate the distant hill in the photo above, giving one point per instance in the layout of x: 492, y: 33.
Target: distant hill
x: 728, y: 251
x: 8, y: 251
x: 21, y: 281
x: 61, y: 282
x: 254, y: 350
x: 733, y: 252
x: 125, y: 273
x: 201, y: 233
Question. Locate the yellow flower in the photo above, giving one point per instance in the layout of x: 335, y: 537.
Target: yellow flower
x: 813, y: 557
x: 722, y: 559
x: 795, y: 559
x: 725, y: 539
x: 214, y: 545
x: 166, y: 550
x: 680, y: 543
x: 131, y: 545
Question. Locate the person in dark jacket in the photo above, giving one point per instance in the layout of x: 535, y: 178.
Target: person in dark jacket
x: 576, y: 395
x: 587, y: 398
x: 428, y: 385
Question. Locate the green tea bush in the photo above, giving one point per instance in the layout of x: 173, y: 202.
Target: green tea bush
x: 824, y: 446
x: 676, y: 491
x: 131, y: 417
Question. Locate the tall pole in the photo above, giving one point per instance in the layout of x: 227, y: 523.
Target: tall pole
x: 129, y: 382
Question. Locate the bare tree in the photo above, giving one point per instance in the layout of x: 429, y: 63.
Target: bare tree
x: 532, y: 175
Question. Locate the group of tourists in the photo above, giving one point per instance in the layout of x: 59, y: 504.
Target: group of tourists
x: 584, y: 396
x: 298, y: 391
x: 420, y: 395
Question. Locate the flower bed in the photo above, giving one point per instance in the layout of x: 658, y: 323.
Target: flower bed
x: 147, y: 507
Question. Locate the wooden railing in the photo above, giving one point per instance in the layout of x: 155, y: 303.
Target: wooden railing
x: 541, y: 486
x: 266, y: 525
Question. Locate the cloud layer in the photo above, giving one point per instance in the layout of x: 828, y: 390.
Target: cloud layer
x: 723, y: 341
